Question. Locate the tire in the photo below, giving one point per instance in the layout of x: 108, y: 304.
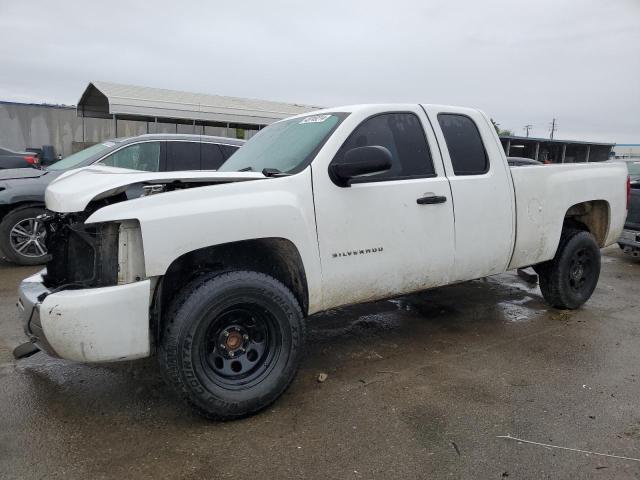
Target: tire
x: 569, y: 279
x: 19, y: 228
x: 232, y: 343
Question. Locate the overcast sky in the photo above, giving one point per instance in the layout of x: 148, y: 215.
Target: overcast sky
x: 523, y: 62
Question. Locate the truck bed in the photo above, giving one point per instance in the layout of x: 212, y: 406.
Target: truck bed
x: 544, y: 195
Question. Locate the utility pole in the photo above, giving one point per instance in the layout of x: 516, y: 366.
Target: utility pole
x: 527, y: 127
x: 554, y: 127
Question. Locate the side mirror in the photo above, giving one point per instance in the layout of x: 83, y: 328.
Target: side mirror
x: 360, y: 161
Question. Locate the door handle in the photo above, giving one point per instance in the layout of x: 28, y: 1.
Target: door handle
x: 431, y: 199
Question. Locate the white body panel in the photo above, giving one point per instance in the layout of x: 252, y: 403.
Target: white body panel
x: 182, y: 221
x: 72, y: 191
x: 505, y: 218
x: 483, y: 204
x: 545, y: 194
x: 98, y: 324
x: 406, y: 247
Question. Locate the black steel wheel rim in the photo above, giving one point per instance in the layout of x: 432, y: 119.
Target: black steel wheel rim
x: 240, y: 346
x: 581, y: 268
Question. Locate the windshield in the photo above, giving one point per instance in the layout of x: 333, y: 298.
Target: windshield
x: 288, y: 145
x: 76, y: 159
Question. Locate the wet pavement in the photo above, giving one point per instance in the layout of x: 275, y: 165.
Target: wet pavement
x: 417, y: 387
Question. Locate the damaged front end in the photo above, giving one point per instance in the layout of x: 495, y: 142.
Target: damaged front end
x: 82, y: 255
x: 91, y: 255
x: 92, y: 302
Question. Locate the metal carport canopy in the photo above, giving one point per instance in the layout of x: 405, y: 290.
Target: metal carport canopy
x: 109, y: 100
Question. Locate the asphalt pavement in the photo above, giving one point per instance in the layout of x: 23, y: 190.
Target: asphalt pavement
x: 419, y: 387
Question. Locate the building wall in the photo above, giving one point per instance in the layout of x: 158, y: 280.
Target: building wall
x: 27, y: 125
x: 23, y: 126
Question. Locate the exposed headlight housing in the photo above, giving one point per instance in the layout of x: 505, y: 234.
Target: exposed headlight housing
x: 91, y: 255
x: 130, y: 252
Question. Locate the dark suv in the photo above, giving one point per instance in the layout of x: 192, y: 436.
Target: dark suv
x: 22, y: 190
x: 629, y: 241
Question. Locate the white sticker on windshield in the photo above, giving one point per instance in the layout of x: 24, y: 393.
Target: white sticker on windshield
x: 314, y: 119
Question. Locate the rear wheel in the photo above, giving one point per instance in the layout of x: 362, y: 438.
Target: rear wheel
x: 22, y: 236
x: 569, y: 279
x: 232, y: 343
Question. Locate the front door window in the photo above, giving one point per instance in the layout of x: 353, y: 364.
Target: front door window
x: 140, y: 156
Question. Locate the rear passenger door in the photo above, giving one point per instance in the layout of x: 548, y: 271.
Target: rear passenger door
x: 388, y: 233
x: 228, y: 150
x: 211, y: 156
x: 482, y: 191
x: 181, y: 155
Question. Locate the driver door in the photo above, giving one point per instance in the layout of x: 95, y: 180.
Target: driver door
x: 375, y: 239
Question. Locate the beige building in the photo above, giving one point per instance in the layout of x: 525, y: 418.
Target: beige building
x: 107, y: 110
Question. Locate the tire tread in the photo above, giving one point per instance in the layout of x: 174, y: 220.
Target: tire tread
x: 221, y: 410
x: 550, y: 272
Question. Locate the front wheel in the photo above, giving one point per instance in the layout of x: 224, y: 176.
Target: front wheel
x: 569, y: 279
x: 22, y: 236
x: 232, y: 343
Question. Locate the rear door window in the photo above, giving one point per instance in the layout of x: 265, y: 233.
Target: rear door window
x: 468, y: 156
x: 183, y: 156
x: 228, y: 150
x: 211, y: 156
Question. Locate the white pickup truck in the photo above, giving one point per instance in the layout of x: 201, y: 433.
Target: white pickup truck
x: 215, y: 272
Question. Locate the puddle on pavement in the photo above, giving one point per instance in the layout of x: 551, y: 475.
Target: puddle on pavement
x: 504, y: 298
x: 518, y: 311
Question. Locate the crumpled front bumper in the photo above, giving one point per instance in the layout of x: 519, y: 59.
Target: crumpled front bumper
x: 88, y: 325
x: 31, y: 290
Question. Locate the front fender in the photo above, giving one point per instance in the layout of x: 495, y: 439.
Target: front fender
x: 175, y: 223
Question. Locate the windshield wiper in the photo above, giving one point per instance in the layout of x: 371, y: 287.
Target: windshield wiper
x: 274, y: 172
x: 267, y: 172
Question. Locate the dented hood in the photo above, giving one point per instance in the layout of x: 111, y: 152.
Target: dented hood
x: 74, y: 190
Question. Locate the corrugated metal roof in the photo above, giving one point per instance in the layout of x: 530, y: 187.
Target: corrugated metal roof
x: 104, y: 99
x: 552, y: 140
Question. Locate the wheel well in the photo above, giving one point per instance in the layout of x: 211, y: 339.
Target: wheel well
x: 5, y: 209
x: 591, y: 216
x: 276, y: 257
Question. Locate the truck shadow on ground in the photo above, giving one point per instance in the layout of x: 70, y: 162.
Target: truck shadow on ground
x: 339, y: 341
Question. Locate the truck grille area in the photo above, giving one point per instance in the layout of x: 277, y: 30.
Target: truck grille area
x: 82, y: 255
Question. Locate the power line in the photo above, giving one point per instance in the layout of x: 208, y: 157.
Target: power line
x: 527, y: 128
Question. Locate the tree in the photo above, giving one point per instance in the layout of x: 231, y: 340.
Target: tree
x: 499, y: 131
